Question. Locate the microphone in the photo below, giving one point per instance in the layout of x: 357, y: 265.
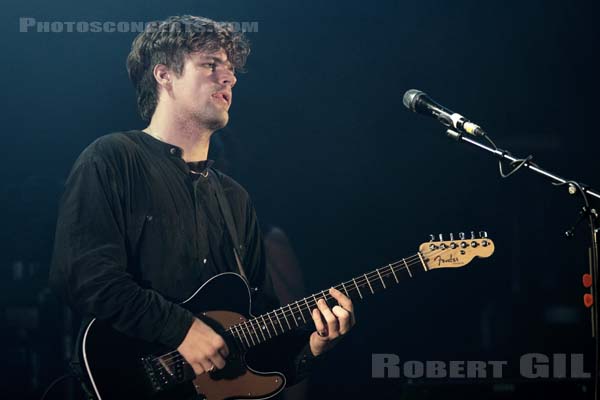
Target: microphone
x: 419, y: 102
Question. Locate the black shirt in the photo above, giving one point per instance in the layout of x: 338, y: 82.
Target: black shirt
x: 138, y: 232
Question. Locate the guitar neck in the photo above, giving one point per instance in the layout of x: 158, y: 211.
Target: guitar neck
x: 298, y: 314
x: 431, y: 255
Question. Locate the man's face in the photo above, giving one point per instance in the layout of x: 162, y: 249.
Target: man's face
x: 203, y: 92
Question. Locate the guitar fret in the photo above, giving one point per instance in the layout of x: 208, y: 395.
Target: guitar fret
x: 300, y: 310
x: 407, y: 269
x: 292, y: 314
x: 253, y: 330
x: 369, y: 282
x: 265, y: 327
x: 394, y: 273
x: 345, y: 290
x: 315, y: 299
x: 250, y: 333
x: 422, y: 261
x: 272, y: 324
x: 235, y: 333
x: 247, y: 342
x: 243, y: 331
x: 255, y: 327
x: 307, y: 306
x: 245, y: 337
x: 381, y: 279
x: 325, y: 294
x: 278, y: 321
x: 357, y: 288
x: 286, y: 320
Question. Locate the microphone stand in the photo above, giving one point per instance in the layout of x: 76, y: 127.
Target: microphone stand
x: 592, y: 215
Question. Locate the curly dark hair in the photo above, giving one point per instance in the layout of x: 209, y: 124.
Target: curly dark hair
x: 168, y: 42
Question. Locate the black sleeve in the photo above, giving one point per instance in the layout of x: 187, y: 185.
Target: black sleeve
x: 89, y: 265
x: 291, y: 351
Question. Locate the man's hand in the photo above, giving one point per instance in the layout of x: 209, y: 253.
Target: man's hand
x: 203, y: 348
x: 331, y: 323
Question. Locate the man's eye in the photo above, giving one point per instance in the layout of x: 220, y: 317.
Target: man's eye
x: 210, y: 65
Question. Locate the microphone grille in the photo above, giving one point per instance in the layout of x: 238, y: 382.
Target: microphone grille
x: 410, y: 98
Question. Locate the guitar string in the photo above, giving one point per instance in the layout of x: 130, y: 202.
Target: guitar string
x: 393, y: 267
x: 361, y: 280
x: 246, y: 329
x: 250, y: 326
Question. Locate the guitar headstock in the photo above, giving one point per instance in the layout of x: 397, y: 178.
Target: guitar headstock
x: 455, y: 253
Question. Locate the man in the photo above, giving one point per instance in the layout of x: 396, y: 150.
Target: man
x: 140, y: 227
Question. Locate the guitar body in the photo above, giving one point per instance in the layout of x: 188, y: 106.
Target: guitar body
x: 121, y: 367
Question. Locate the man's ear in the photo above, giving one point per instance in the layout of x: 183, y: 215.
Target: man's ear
x: 162, y: 75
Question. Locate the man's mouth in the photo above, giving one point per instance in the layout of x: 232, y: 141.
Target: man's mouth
x: 222, y: 97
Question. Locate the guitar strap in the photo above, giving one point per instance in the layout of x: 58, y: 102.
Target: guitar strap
x: 238, y: 249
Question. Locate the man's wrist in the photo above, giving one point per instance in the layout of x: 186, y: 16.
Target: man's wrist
x: 306, y: 359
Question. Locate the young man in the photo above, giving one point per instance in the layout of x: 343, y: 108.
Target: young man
x: 140, y: 227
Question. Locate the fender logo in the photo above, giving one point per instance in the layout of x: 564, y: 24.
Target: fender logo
x: 441, y: 261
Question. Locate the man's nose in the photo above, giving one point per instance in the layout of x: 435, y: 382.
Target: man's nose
x: 227, y: 77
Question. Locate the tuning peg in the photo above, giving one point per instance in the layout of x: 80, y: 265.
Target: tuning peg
x: 441, y: 237
x: 451, y: 236
x: 431, y: 238
x: 461, y: 235
x: 472, y: 234
x: 482, y: 234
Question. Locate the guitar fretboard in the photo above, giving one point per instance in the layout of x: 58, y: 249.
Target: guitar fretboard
x: 299, y: 313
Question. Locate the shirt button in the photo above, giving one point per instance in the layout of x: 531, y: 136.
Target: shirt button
x: 173, y: 150
x: 204, y: 261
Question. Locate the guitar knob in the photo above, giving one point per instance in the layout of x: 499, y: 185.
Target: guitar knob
x: 461, y: 235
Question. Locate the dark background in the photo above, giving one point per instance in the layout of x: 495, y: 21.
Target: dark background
x: 329, y: 154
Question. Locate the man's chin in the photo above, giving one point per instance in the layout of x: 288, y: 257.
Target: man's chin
x: 217, y: 122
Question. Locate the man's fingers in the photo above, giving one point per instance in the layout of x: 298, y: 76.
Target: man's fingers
x: 218, y: 361
x: 342, y: 299
x: 343, y: 317
x: 209, y: 363
x: 218, y: 353
x: 198, y: 368
x: 224, y: 352
x: 220, y: 345
x: 203, y: 348
x: 206, y: 365
x: 345, y: 303
x: 318, y: 320
x: 332, y: 322
x: 338, y: 320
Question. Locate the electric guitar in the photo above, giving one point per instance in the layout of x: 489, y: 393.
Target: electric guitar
x: 121, y: 367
